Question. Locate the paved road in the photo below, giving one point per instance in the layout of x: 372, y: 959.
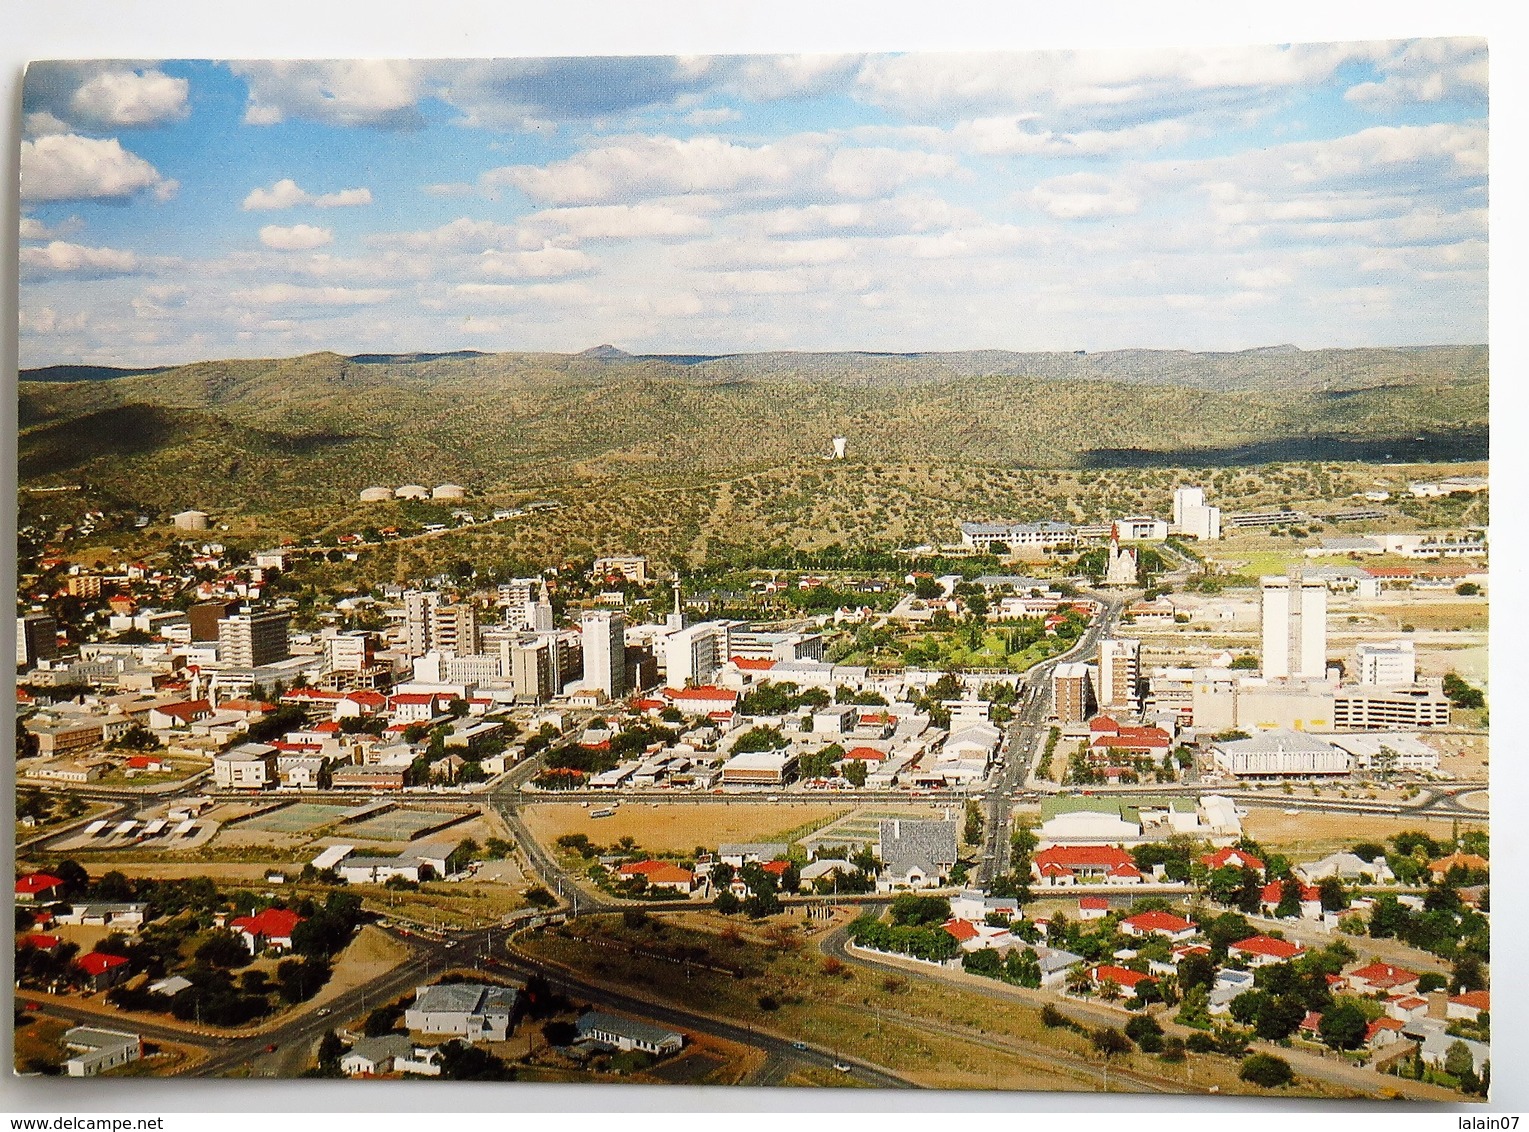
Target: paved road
x: 1025, y: 732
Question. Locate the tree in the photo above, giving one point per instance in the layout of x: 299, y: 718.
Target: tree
x: 855, y: 772
x: 1289, y: 899
x: 331, y: 1049
x: 1110, y: 1041
x: 1467, y: 974
x: 1266, y: 1071
x: 1343, y: 1025
x: 1458, y: 1060
x: 1334, y: 896
x: 222, y: 949
x: 1278, y: 1017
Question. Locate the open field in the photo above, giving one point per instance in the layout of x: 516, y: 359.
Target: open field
x: 1307, y: 836
x: 677, y: 827
x: 938, y: 1034
x: 37, y: 1043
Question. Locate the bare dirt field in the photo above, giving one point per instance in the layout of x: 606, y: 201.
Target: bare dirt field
x: 1307, y: 836
x: 679, y: 827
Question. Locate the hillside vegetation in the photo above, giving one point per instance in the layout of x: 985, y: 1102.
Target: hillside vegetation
x: 261, y: 435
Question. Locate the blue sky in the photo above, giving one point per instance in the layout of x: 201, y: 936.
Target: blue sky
x: 1223, y: 198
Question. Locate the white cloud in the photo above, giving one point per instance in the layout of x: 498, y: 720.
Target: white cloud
x: 712, y: 116
x: 902, y: 214
x: 463, y: 234
x: 546, y: 263
x: 1426, y: 70
x: 1013, y: 135
x: 71, y: 167
x: 46, y: 320
x: 286, y: 193
x: 299, y: 237
x: 159, y: 300
x: 34, y: 229
x: 1084, y: 196
x: 632, y: 169
x: 651, y: 219
x: 61, y: 257
x: 273, y: 294
x: 40, y: 122
x: 131, y: 98
x: 358, y: 92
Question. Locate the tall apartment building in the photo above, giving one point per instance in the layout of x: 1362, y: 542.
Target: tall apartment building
x: 532, y: 666
x: 454, y: 629
x: 1120, y: 674
x: 1394, y: 662
x: 417, y: 606
x: 1294, y: 628
x: 1072, y: 687
x: 350, y: 651
x: 605, y: 652
x: 693, y: 656
x: 36, y: 638
x: 249, y: 640
x: 205, y: 615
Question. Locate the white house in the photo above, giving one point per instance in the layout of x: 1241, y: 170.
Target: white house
x: 628, y: 1033
x: 471, y: 1011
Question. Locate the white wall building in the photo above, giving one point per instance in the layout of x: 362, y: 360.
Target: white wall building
x: 1391, y: 662
x: 604, y: 637
x: 1294, y: 628
x: 694, y: 656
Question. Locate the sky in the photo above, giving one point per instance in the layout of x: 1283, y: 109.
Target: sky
x: 1208, y: 199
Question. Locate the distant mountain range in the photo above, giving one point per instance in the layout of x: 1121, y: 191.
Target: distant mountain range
x: 267, y: 435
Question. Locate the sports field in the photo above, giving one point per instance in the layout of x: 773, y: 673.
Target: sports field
x: 298, y: 818
x: 402, y: 824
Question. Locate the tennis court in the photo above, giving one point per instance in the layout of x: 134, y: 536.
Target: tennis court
x: 402, y: 824
x: 298, y: 818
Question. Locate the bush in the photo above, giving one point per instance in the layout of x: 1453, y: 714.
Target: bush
x: 1110, y: 1041
x: 1266, y: 1071
x: 1200, y: 1043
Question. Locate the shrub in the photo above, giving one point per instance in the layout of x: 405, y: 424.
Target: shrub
x: 1266, y: 1071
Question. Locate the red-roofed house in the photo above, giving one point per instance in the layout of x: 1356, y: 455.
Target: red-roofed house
x: 412, y: 707
x: 702, y: 700
x: 659, y: 874
x: 1262, y: 950
x: 101, y: 970
x: 1074, y: 864
x: 1175, y: 928
x: 962, y: 931
x: 37, y: 941
x: 1311, y: 1026
x: 37, y: 887
x: 247, y: 708
x: 1440, y: 869
x: 1093, y: 907
x: 1383, y: 1032
x: 151, y: 764
x: 1231, y: 857
x: 865, y: 754
x: 754, y: 663
x: 1407, y: 1007
x: 1383, y: 978
x: 270, y: 930
x: 1470, y: 1005
x: 362, y: 701
x: 1311, y: 899
x: 1123, y: 977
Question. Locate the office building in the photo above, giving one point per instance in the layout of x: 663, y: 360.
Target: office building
x: 1294, y: 628
x: 604, y: 638
x: 693, y: 656
x: 1073, y: 688
x: 249, y: 640
x: 1393, y: 662
x: 350, y: 651
x: 1119, y: 674
x: 205, y: 615
x: 454, y: 629
x: 36, y: 639
x: 1193, y: 516
x: 417, y: 606
x: 532, y: 666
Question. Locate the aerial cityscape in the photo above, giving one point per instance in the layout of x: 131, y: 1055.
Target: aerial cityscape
x: 950, y: 640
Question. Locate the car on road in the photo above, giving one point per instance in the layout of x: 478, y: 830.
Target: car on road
x: 798, y: 1045
x: 324, y: 1012
x: 841, y: 1067
x: 33, y: 1006
x: 271, y: 1048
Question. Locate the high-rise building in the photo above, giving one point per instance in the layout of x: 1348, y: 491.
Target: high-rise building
x: 454, y: 629
x: 605, y: 652
x: 532, y: 665
x: 204, y: 617
x: 249, y: 640
x: 36, y: 638
x: 1073, y: 689
x: 1119, y: 674
x: 693, y: 656
x: 350, y: 651
x: 417, y: 605
x: 1294, y: 628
